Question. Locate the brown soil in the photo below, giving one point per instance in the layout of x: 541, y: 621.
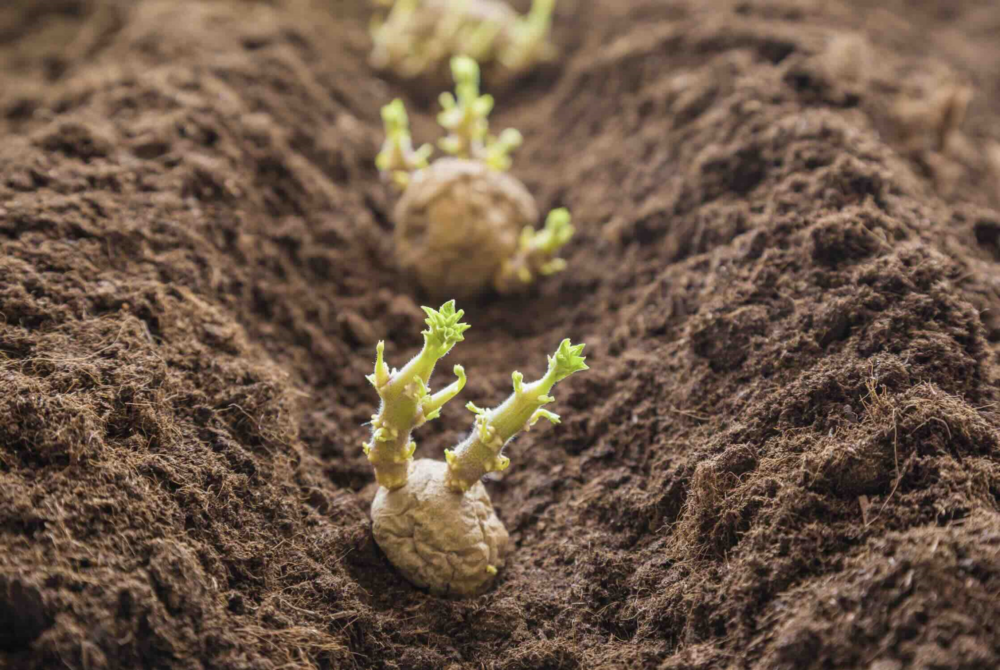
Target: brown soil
x: 786, y: 454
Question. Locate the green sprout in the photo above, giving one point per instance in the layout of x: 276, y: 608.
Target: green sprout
x: 407, y: 402
x: 536, y: 253
x: 529, y: 38
x: 497, y: 151
x: 398, y: 157
x: 481, y: 451
x: 391, y: 42
x: 477, y: 40
x: 465, y: 115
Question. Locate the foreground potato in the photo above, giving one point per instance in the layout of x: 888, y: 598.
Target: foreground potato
x: 448, y: 542
x: 434, y: 519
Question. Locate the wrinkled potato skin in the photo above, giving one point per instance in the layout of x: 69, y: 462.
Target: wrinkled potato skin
x: 438, y: 539
x: 457, y: 222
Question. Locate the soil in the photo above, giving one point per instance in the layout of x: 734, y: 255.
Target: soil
x: 786, y: 453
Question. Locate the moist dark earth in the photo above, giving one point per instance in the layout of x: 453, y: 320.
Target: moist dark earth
x: 786, y: 453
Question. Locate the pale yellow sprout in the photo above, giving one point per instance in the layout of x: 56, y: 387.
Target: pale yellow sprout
x: 536, y: 253
x: 398, y: 158
x: 407, y: 402
x: 465, y: 115
x: 528, y: 38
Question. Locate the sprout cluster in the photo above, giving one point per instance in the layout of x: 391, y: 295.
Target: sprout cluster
x: 536, y: 252
x: 463, y: 223
x: 398, y: 158
x: 493, y: 429
x: 465, y: 117
x: 418, y: 37
x: 407, y: 402
x: 434, y: 520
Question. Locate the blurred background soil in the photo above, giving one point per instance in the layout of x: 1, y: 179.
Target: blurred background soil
x: 786, y: 454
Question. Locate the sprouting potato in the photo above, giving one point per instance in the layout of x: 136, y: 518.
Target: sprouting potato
x: 418, y: 37
x: 434, y: 519
x: 463, y: 223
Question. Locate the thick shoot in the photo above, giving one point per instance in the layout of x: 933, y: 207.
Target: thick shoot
x: 394, y: 44
x: 465, y: 115
x: 536, y: 253
x: 398, y: 158
x: 407, y: 401
x: 481, y: 451
x: 528, y: 38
